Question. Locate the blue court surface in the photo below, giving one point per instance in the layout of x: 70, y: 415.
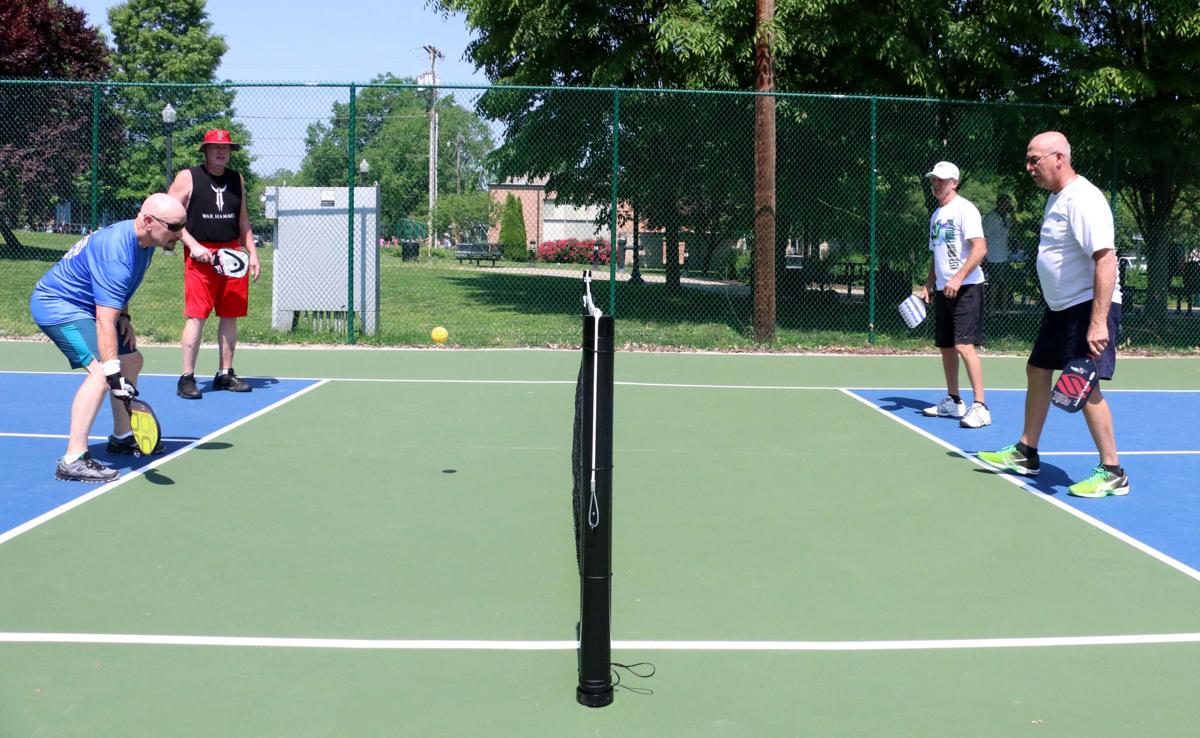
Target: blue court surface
x: 33, y: 431
x: 1156, y: 439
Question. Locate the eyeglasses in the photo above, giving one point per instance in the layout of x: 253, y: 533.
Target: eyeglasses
x: 1033, y: 161
x: 172, y: 227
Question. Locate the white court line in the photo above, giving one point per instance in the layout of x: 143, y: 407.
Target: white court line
x: 1123, y: 453
x: 1018, y: 481
x: 102, y: 489
x: 364, y: 644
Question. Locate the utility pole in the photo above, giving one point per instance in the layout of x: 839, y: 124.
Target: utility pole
x: 458, y: 163
x: 434, y: 55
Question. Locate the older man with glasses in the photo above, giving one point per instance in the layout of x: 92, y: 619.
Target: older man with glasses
x: 1077, y: 268
x: 82, y: 304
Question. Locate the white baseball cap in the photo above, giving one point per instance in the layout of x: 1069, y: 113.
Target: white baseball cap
x: 943, y: 170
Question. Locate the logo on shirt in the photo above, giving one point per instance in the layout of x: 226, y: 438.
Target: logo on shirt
x: 220, y: 195
x: 79, y: 246
x: 948, y: 233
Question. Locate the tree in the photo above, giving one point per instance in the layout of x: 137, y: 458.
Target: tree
x: 392, y: 125
x: 465, y: 217
x: 897, y: 48
x: 45, y: 131
x: 1132, y: 66
x: 161, y: 41
x: 512, y: 230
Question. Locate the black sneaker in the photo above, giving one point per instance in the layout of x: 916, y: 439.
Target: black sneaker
x: 187, y: 388
x: 230, y: 381
x: 84, y: 469
x: 128, y: 446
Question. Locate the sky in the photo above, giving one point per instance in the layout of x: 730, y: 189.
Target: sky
x: 308, y: 41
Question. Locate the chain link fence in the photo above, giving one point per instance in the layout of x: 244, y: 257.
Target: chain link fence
x: 477, y: 208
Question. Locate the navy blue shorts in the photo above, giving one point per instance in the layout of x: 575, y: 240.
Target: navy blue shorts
x: 77, y: 341
x: 1063, y: 336
x: 958, y: 319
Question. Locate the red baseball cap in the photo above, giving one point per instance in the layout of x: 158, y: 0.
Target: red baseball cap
x: 218, y: 136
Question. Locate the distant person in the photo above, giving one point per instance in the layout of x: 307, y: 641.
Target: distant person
x: 1077, y: 268
x: 82, y: 304
x: 996, y: 227
x: 217, y: 218
x: 955, y: 286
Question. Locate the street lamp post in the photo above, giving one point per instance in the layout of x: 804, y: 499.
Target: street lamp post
x: 168, y: 119
x: 363, y: 170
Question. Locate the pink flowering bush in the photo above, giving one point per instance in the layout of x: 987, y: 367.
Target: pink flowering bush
x: 573, y: 251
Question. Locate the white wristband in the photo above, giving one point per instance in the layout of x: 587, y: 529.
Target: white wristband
x: 110, y: 367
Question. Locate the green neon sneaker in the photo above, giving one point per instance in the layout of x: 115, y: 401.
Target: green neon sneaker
x: 1101, y: 483
x: 1009, y: 459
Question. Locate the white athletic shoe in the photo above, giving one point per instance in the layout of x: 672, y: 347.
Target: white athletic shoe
x: 947, y: 408
x: 977, y: 416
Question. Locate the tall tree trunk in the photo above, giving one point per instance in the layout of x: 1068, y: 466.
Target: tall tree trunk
x: 11, y: 243
x: 1159, y: 268
x: 764, y: 175
x: 671, y: 255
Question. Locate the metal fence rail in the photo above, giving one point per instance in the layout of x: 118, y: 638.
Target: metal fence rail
x: 656, y: 185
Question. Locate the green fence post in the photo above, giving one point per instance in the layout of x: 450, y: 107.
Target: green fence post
x: 95, y: 154
x: 874, y: 192
x: 350, y: 174
x: 612, y: 225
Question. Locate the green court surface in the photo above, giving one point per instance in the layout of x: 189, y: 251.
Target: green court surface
x: 391, y: 554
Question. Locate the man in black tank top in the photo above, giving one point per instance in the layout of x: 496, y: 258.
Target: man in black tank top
x: 217, y: 218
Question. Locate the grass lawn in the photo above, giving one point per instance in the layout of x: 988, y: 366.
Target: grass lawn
x: 511, y: 305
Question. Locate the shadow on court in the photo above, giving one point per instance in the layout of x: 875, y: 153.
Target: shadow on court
x: 893, y: 404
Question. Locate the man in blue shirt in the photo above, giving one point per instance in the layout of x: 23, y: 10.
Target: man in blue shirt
x: 82, y: 304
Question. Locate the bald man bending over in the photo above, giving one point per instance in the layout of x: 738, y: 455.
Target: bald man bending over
x: 82, y: 304
x: 1077, y: 268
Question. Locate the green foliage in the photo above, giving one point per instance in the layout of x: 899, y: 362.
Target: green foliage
x: 44, y: 130
x: 466, y: 217
x: 512, y: 230
x: 392, y: 124
x: 166, y: 41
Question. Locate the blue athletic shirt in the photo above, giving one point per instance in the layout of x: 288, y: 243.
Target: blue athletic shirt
x: 103, y: 268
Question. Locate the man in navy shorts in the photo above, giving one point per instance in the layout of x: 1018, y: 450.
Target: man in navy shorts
x: 955, y: 284
x: 82, y: 304
x: 1077, y: 268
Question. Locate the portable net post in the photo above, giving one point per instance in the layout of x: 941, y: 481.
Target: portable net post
x: 593, y: 505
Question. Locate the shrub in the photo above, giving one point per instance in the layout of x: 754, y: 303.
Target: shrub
x: 512, y: 230
x: 573, y: 251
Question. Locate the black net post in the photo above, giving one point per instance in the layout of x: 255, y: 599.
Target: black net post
x: 595, y: 518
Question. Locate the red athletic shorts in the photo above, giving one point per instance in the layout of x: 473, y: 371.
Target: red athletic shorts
x: 204, y: 289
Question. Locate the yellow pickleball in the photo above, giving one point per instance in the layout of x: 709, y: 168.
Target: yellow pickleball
x: 439, y: 335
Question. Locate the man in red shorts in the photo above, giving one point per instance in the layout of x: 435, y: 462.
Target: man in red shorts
x: 214, y: 196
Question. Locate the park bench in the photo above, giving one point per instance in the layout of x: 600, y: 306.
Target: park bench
x: 477, y: 252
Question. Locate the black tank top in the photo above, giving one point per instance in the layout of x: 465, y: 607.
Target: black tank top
x: 216, y: 203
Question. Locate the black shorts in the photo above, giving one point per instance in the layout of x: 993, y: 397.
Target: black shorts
x: 959, y: 319
x: 1063, y: 336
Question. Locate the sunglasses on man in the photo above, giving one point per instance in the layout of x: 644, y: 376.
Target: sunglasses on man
x: 172, y: 227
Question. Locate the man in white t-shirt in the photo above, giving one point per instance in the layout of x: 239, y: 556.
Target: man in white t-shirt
x: 955, y: 285
x: 1077, y: 268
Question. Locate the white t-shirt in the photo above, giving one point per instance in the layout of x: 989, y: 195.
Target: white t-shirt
x: 950, y: 229
x: 995, y: 230
x: 1076, y: 225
